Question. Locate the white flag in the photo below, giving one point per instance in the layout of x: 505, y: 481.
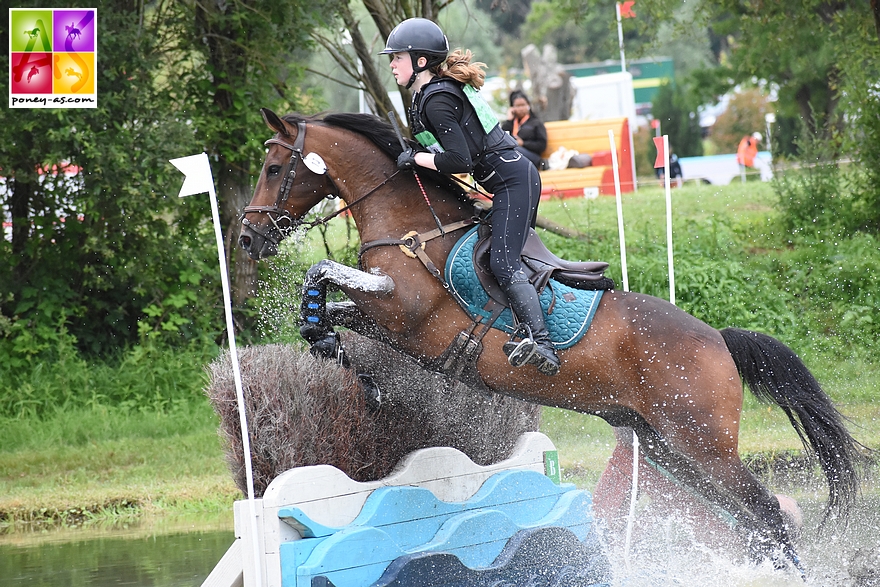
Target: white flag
x: 197, y: 170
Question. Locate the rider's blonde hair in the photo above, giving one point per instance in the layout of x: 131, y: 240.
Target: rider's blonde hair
x: 458, y: 66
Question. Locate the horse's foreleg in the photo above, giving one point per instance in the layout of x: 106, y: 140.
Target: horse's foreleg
x: 315, y: 326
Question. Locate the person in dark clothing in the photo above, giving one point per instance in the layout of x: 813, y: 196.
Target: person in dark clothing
x: 526, y: 128
x: 461, y: 135
x: 674, y: 172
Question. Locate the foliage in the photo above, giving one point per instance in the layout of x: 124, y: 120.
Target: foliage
x: 508, y: 15
x: 816, y: 198
x: 93, y: 248
x: 827, y: 197
x: 859, y: 55
x: 678, y: 118
x: 578, y: 36
x: 744, y: 116
x: 147, y: 377
x: 106, y: 256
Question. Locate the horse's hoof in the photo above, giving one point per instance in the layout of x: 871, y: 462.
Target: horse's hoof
x: 372, y: 393
x: 330, y: 348
x: 314, y: 332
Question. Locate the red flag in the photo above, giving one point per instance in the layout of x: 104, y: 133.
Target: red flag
x: 660, y: 161
x: 626, y: 9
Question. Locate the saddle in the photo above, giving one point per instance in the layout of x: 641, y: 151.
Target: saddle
x: 540, y: 265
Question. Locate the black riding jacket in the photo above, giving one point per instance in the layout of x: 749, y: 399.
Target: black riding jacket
x: 442, y: 108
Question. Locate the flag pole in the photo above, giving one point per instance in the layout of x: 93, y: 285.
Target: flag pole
x: 198, y: 179
x: 668, y: 218
x: 620, y: 38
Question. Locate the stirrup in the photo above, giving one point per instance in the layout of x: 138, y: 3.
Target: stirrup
x: 520, y: 353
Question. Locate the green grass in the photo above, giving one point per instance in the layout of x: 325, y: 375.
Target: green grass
x: 106, y: 465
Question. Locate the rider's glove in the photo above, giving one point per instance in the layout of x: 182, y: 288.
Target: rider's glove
x: 407, y: 159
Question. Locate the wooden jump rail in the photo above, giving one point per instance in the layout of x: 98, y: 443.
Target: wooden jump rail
x: 590, y: 137
x: 437, y: 515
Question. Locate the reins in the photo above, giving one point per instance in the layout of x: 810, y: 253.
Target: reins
x: 325, y: 219
x: 412, y: 244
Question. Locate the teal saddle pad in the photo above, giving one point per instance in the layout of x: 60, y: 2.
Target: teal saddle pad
x: 573, y: 310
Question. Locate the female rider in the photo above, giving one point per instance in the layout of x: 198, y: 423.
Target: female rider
x: 462, y: 135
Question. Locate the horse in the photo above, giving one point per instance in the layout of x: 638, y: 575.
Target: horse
x: 72, y: 31
x: 644, y: 363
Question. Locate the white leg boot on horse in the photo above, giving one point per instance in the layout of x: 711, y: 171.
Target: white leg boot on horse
x: 536, y: 349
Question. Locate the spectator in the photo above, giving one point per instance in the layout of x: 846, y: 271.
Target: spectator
x: 526, y: 128
x: 747, y: 151
x: 674, y: 172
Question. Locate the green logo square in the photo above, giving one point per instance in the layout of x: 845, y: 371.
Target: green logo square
x: 30, y: 30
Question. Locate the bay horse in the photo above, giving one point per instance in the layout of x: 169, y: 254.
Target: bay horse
x: 644, y: 363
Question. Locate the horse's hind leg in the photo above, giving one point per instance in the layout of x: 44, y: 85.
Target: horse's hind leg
x: 767, y: 529
x: 726, y: 486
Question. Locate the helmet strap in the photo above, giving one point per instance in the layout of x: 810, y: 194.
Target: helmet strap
x: 414, y: 59
x: 412, y: 79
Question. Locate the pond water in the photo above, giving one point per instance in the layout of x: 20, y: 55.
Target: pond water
x: 179, y: 556
x: 183, y: 555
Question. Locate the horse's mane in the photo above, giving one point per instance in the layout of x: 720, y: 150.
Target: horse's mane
x: 380, y: 132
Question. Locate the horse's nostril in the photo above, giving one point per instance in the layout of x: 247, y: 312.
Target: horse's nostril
x: 244, y: 242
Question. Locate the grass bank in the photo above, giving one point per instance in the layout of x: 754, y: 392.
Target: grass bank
x: 108, y: 466
x: 94, y: 464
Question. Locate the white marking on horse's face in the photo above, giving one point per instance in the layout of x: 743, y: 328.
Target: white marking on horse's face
x: 315, y: 163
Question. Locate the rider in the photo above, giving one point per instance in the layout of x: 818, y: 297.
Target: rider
x: 462, y: 135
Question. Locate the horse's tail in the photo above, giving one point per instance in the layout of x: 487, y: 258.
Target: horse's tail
x: 776, y: 374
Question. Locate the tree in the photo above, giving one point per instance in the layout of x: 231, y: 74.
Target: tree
x: 249, y: 49
x: 744, y: 116
x: 94, y: 246
x: 678, y: 119
x: 360, y: 67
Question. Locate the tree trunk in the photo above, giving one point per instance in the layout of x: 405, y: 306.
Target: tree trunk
x: 23, y: 187
x: 386, y: 16
x: 369, y: 78
x: 875, y: 8
x: 235, y: 193
x: 229, y: 62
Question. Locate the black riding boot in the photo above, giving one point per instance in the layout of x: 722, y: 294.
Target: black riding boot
x: 537, y: 349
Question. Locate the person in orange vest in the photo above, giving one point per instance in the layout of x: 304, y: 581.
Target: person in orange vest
x: 747, y: 151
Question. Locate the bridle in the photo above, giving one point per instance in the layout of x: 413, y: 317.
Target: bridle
x: 277, y: 213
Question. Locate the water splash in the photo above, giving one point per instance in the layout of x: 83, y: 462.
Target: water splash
x: 668, y: 551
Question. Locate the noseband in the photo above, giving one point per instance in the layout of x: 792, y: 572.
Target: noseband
x: 277, y: 213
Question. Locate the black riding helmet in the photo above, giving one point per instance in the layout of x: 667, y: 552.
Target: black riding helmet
x: 419, y: 37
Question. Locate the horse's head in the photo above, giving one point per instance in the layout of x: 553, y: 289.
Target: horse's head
x: 291, y: 183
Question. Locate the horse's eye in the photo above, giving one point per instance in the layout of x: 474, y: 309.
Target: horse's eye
x: 273, y: 169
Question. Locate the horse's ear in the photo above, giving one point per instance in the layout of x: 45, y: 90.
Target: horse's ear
x: 273, y: 121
